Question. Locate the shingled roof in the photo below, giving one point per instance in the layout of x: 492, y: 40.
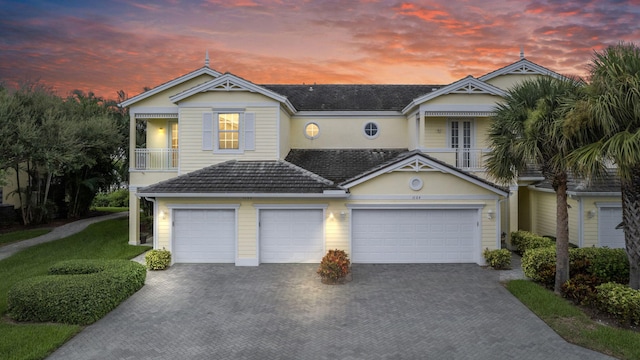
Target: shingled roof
x: 277, y: 177
x: 339, y: 165
x: 610, y: 183
x: 351, y: 97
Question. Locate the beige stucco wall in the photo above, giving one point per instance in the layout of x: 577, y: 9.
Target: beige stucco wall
x: 347, y: 132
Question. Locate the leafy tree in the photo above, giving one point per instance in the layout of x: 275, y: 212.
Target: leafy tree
x: 526, y: 131
x: 608, y: 121
x: 67, y: 147
x: 95, y: 123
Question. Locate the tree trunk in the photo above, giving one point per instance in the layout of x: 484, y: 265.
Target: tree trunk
x: 631, y: 219
x: 562, y: 233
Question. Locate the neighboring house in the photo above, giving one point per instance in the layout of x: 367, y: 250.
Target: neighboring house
x: 247, y: 174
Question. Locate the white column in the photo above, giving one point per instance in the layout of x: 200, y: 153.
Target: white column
x: 134, y: 217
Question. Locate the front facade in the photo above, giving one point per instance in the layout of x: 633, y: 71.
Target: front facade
x: 244, y: 173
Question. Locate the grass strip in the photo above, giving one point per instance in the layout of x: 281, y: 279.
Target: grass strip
x: 103, y: 240
x: 573, y: 324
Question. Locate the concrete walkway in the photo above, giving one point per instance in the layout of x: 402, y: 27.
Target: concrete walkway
x: 57, y: 233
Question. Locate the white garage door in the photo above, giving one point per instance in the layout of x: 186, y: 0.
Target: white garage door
x: 414, y: 236
x: 291, y: 236
x: 204, y: 236
x: 608, y: 235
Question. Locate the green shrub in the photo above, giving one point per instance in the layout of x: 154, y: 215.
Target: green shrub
x: 157, y: 259
x: 498, y: 259
x: 540, y: 265
x: 76, y: 291
x: 603, y: 263
x: 118, y: 198
x: 581, y: 288
x: 335, y: 266
x: 524, y: 240
x: 620, y: 301
x: 611, y: 265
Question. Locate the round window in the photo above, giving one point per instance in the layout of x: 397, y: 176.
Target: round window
x: 415, y: 183
x: 371, y: 130
x: 311, y: 130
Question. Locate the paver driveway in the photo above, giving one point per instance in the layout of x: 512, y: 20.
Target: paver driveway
x: 284, y: 312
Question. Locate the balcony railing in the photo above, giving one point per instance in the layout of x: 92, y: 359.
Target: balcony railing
x: 465, y: 159
x: 156, y: 159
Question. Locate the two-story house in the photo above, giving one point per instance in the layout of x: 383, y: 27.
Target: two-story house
x: 247, y: 174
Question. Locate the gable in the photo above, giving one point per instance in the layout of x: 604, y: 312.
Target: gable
x: 460, y: 91
x: 229, y: 83
x: 421, y: 165
x: 504, y: 78
x: 161, y: 93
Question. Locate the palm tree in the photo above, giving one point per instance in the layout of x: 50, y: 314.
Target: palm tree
x: 608, y: 120
x: 526, y: 131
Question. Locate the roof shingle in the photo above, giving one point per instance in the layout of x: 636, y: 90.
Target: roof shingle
x: 351, y: 97
x: 277, y: 177
x: 339, y: 165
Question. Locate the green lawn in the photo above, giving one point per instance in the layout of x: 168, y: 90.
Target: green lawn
x: 112, y: 209
x: 573, y: 324
x: 21, y: 235
x: 104, y: 240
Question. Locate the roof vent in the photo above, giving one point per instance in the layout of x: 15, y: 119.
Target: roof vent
x: 310, y: 88
x: 434, y: 89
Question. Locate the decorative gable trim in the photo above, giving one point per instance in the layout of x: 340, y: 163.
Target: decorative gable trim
x: 230, y: 82
x: 521, y: 67
x: 170, y: 84
x: 468, y: 85
x: 418, y: 162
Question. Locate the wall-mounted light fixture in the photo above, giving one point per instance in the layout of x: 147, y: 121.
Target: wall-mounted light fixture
x: 331, y: 217
x: 163, y: 215
x: 591, y: 214
x: 490, y: 214
x: 343, y: 215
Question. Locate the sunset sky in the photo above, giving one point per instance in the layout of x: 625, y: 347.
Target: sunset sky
x: 105, y: 46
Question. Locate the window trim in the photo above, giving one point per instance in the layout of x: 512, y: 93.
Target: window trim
x: 364, y: 130
x: 216, y: 131
x: 304, y: 130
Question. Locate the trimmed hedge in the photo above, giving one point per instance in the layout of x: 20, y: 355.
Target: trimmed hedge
x: 157, y: 259
x: 525, y: 240
x: 607, y: 265
x: 620, y: 301
x: 498, y: 259
x: 75, y: 291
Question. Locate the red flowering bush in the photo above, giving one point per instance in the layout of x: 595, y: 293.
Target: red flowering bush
x: 334, y: 266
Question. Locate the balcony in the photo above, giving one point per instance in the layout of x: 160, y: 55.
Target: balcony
x: 156, y: 159
x: 464, y: 159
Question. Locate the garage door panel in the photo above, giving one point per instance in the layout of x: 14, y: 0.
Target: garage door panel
x: 204, y: 236
x: 291, y: 236
x: 414, y: 236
